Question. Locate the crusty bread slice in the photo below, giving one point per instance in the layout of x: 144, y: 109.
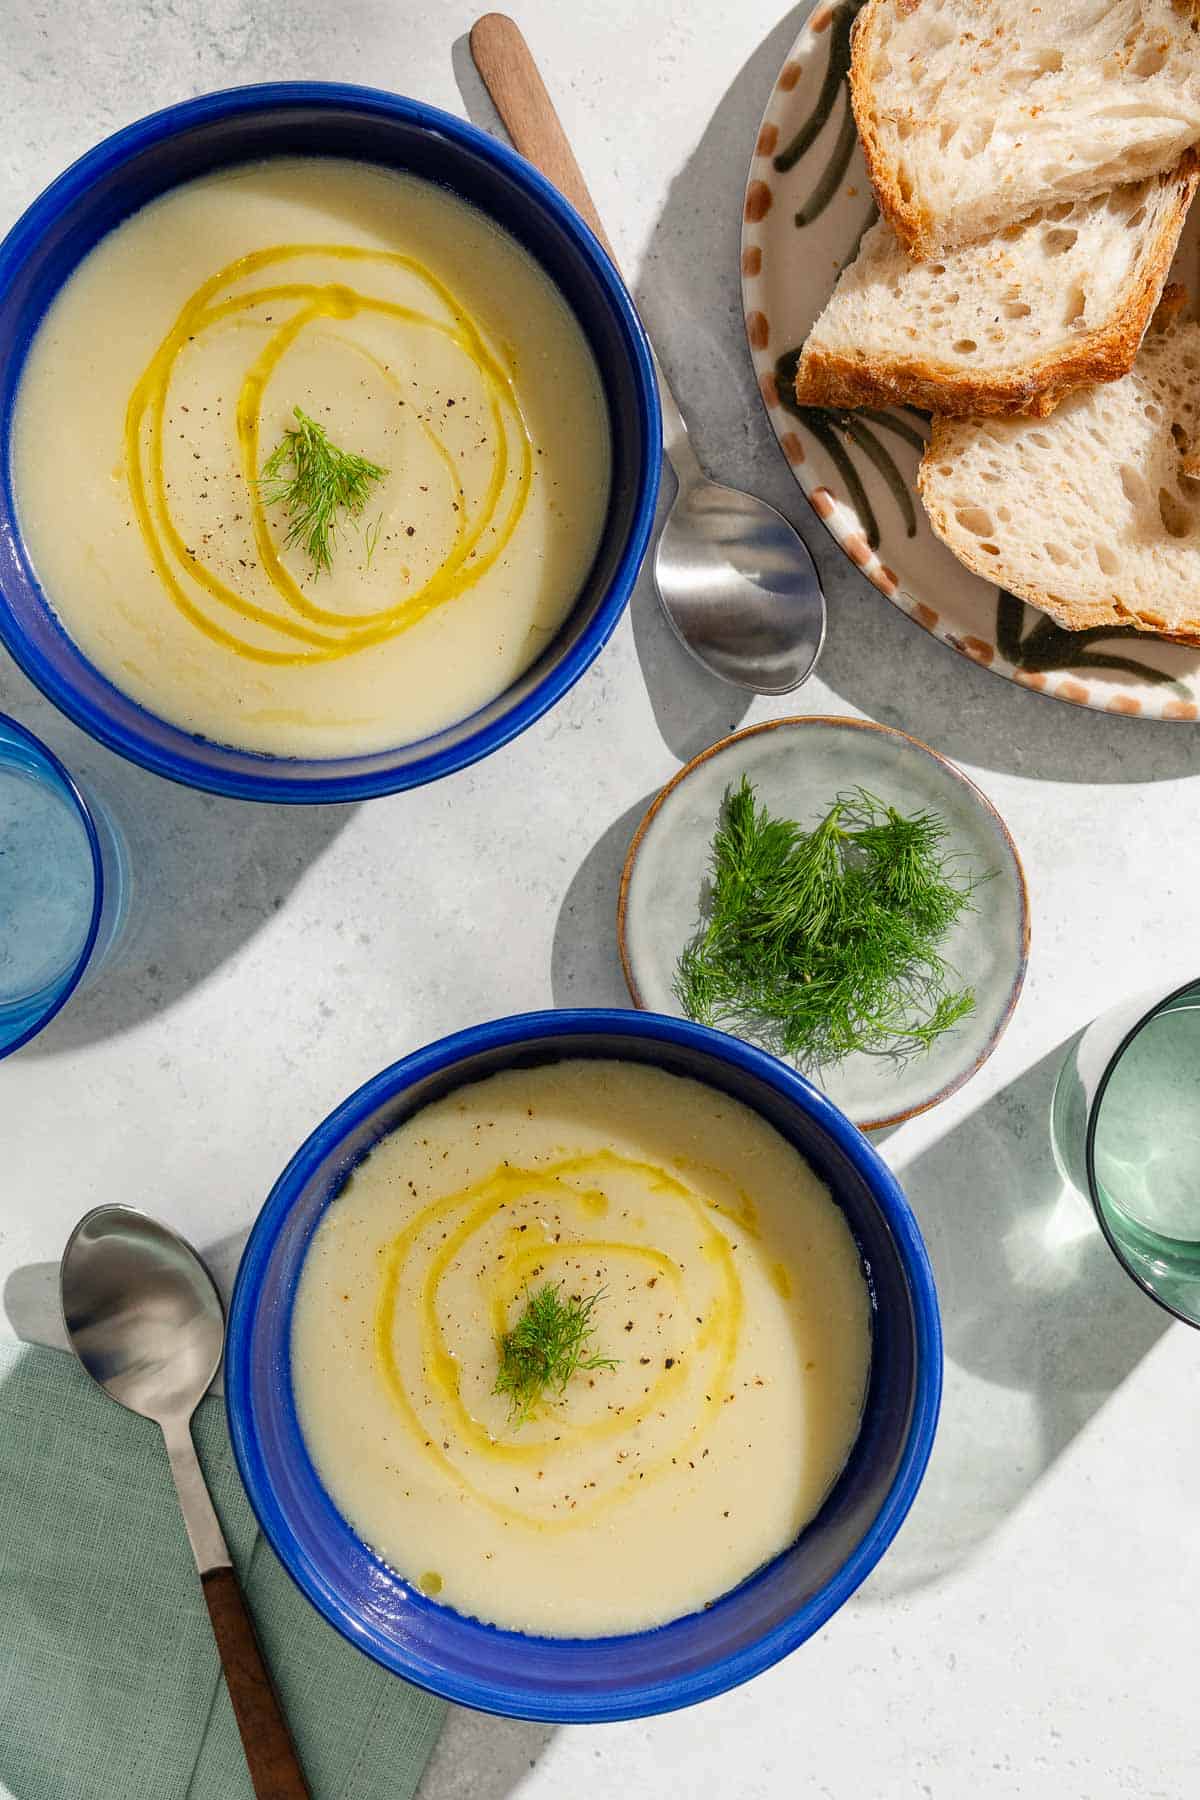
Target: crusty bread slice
x: 1087, y: 514
x: 1011, y: 325
x: 972, y: 113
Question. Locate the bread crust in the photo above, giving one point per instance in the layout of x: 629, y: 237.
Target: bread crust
x: 911, y: 223
x: 1070, y: 614
x: 1030, y: 389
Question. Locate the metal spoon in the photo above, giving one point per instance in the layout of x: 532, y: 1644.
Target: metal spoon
x: 736, y: 581
x: 146, y: 1322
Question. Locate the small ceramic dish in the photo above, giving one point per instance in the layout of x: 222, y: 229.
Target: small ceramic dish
x: 798, y: 767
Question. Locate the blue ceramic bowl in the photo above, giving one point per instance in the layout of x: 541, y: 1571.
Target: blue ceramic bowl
x: 578, y: 1679
x: 136, y: 164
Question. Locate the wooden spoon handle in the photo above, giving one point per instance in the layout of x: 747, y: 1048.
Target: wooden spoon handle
x: 274, y: 1766
x: 511, y: 77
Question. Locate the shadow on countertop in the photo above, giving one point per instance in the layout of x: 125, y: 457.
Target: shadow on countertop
x: 481, y: 1757
x: 585, y: 962
x: 206, y: 874
x: 1034, y: 1305
x: 878, y: 661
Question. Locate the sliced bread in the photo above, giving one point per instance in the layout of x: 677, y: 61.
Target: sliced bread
x: 972, y: 113
x: 1089, y: 514
x: 1010, y: 325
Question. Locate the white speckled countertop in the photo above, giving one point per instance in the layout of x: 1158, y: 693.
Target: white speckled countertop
x: 1032, y: 1631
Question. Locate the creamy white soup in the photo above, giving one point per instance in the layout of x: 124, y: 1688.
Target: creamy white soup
x: 728, y: 1333
x: 422, y: 342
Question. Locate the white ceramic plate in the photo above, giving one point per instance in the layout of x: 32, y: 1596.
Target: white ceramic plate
x: 808, y: 201
x: 798, y: 767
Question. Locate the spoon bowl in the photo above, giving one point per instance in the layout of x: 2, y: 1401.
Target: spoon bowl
x: 739, y: 588
x: 141, y: 1312
x: 146, y: 1322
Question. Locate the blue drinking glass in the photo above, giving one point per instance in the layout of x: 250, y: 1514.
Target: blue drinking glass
x: 63, y: 885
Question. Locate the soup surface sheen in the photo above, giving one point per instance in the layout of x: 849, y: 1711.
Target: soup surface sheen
x: 731, y: 1298
x: 419, y: 336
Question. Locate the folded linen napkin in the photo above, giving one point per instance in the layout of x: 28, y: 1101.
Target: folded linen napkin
x: 110, y: 1687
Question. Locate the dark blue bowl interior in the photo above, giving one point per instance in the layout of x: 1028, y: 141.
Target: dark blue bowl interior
x: 693, y: 1657
x: 311, y: 118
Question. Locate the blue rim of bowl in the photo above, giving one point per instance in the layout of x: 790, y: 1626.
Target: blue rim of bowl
x: 232, y: 102
x: 726, y: 1672
x: 93, y: 839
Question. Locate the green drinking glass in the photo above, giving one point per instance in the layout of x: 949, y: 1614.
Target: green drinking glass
x: 1126, y: 1128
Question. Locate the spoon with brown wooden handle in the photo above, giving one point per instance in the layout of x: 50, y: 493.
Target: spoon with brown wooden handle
x: 146, y: 1322
x: 735, y: 579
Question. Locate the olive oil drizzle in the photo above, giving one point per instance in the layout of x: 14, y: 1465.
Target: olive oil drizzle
x: 325, y: 635
x: 574, y: 1182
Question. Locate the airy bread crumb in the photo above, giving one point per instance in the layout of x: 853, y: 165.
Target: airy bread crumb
x: 972, y: 113
x: 1089, y: 515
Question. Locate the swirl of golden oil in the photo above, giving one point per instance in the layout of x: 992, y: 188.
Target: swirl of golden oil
x: 578, y: 1181
x: 327, y: 635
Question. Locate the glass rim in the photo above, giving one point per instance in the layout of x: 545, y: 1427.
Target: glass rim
x: 1089, y: 1151
x: 84, y: 811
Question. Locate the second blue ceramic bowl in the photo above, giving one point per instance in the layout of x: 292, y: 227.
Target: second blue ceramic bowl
x: 314, y: 118
x: 580, y: 1679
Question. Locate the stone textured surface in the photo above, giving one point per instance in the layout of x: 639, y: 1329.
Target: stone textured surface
x: 1032, y: 1631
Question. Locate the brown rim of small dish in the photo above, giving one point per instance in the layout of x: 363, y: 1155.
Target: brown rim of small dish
x: 834, y: 719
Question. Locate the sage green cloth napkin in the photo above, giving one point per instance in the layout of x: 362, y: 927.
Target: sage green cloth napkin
x: 109, y: 1682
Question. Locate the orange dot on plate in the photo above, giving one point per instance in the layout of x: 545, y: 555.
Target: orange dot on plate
x: 790, y: 76
x: 752, y: 259
x: 1073, y: 691
x: 1030, y: 678
x: 768, y: 389
x: 924, y: 615
x: 977, y: 649
x: 1124, y: 703
x: 768, y: 137
x: 758, y: 202
x: 857, y: 548
x: 757, y: 330
x: 1180, y: 709
x: 823, y: 502
x: 793, y: 449
x: 821, y: 19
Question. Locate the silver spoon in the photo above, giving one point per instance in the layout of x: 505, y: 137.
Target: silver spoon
x: 146, y: 1322
x: 736, y: 581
